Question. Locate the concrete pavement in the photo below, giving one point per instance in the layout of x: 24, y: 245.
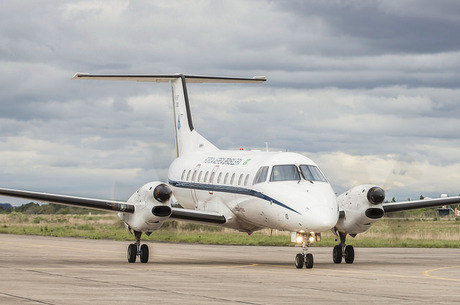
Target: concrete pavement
x: 49, y: 270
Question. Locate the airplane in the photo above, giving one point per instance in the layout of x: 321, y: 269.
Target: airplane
x: 239, y: 189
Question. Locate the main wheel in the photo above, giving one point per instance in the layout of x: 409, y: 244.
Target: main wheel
x: 349, y: 254
x: 299, y: 261
x: 132, y: 253
x: 337, y: 254
x: 309, y: 261
x: 144, y: 253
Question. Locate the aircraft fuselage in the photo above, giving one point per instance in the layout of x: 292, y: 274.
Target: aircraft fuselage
x: 225, y: 182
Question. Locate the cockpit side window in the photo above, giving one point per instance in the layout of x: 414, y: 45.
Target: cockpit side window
x: 284, y: 173
x: 312, y: 173
x: 261, y: 175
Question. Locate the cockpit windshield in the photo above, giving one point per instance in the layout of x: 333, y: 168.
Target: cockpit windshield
x: 261, y: 175
x: 284, y: 173
x: 312, y: 173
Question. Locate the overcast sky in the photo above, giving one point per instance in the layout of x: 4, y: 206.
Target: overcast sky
x: 367, y: 89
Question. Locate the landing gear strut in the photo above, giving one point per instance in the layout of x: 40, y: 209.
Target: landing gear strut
x: 137, y: 249
x: 304, y: 258
x: 347, y: 252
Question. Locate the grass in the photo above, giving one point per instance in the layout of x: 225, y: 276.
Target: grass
x: 433, y: 233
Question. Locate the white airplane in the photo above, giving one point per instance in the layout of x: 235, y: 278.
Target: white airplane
x: 242, y: 190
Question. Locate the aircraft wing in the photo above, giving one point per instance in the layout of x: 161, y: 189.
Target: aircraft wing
x: 110, y: 205
x: 419, y: 204
x: 98, y: 204
x: 197, y: 216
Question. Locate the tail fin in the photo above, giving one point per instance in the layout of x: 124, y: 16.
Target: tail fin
x: 187, y: 138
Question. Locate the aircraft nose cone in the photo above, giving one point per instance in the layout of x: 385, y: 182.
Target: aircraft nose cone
x: 322, y: 219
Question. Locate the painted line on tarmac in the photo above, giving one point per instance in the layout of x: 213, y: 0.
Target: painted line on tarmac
x: 427, y: 274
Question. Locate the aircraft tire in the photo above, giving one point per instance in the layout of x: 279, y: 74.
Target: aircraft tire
x: 349, y: 254
x: 144, y: 253
x: 337, y: 254
x: 299, y: 261
x: 309, y: 261
x: 132, y: 253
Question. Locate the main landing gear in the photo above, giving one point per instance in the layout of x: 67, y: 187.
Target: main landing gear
x: 342, y: 251
x: 304, y: 258
x: 137, y: 249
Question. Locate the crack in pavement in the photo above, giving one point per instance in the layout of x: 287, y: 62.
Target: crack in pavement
x: 140, y: 287
x: 24, y: 298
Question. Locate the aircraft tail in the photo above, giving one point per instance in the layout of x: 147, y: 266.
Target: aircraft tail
x: 187, y: 138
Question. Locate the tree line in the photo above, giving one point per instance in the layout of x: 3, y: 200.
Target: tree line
x: 35, y: 208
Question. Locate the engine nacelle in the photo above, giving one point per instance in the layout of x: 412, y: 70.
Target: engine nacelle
x: 152, y: 206
x: 361, y: 206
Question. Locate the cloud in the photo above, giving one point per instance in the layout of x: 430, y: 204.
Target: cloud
x: 396, y: 174
x: 385, y: 26
x: 374, y: 83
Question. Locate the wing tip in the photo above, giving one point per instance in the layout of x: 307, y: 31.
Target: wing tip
x: 260, y: 78
x: 79, y: 75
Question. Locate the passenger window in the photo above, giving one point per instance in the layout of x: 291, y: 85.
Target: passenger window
x: 188, y: 175
x: 239, y: 180
x: 211, y: 179
x: 246, y: 180
x: 206, y: 177
x: 261, y: 175
x: 218, y: 177
x: 226, y: 178
x: 194, y: 175
x: 233, y: 178
x: 183, y: 175
x: 284, y: 173
x: 199, y: 176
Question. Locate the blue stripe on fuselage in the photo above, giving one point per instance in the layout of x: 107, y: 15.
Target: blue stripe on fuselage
x: 228, y: 189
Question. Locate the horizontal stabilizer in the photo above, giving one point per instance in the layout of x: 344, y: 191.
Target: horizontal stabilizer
x: 168, y: 78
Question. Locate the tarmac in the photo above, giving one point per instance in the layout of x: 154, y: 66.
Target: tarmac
x: 51, y: 270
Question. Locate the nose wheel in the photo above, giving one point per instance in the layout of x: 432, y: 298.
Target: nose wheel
x: 132, y: 253
x: 343, y: 251
x: 304, y: 258
x: 137, y: 249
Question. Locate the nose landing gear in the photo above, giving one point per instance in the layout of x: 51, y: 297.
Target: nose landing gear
x: 137, y: 249
x: 343, y: 251
x: 304, y: 258
x: 306, y: 239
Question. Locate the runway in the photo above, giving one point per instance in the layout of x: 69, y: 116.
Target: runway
x: 48, y: 270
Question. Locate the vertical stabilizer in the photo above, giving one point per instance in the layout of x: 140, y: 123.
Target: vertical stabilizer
x: 187, y: 138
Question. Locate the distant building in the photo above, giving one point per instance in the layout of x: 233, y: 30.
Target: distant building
x: 445, y: 211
